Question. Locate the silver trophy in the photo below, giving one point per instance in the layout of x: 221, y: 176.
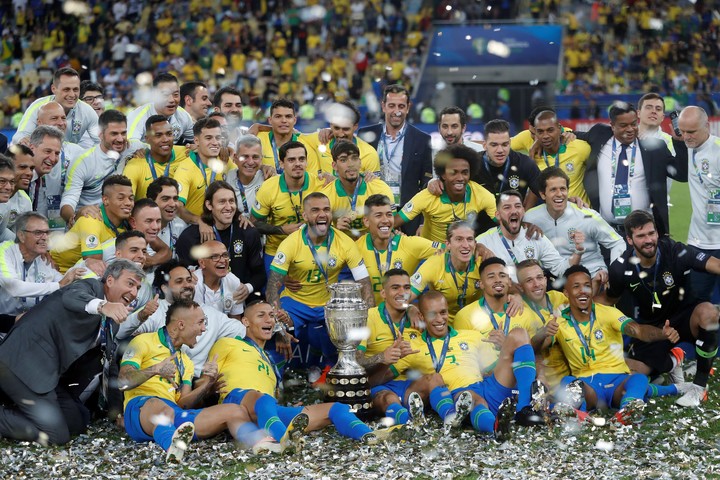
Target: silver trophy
x: 345, y: 318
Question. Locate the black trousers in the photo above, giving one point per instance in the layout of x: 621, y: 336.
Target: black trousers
x: 26, y: 413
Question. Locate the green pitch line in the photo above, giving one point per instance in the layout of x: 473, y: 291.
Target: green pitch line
x: 680, y: 211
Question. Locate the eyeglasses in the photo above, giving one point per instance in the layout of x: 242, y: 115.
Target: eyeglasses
x: 6, y: 181
x: 93, y: 99
x: 38, y: 233
x: 216, y: 257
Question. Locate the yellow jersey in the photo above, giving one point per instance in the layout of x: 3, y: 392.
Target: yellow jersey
x: 459, y: 288
x: 270, y: 151
x: 383, y: 335
x: 403, y: 252
x: 295, y: 258
x: 439, y: 211
x: 84, y: 239
x: 141, y: 173
x: 193, y: 177
x: 601, y: 349
x: 523, y: 141
x: 342, y: 203
x: 280, y: 206
x: 243, y: 365
x: 148, y: 349
x: 572, y: 159
x: 461, y: 366
x: 369, y: 159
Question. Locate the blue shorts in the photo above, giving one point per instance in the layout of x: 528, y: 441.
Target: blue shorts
x: 310, y: 330
x: 398, y: 387
x: 235, y: 396
x: 132, y: 417
x: 605, y: 385
x: 286, y: 414
x: 489, y: 389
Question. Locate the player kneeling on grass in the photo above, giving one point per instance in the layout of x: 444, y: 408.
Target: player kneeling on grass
x: 457, y: 356
x: 251, y: 381
x: 156, y: 377
x: 590, y: 336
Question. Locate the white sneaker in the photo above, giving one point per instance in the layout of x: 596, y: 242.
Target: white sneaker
x: 463, y: 405
x: 693, y: 396
x: 416, y: 408
x: 180, y: 441
x: 677, y: 375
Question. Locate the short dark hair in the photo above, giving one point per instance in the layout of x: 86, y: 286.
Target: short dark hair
x: 650, y: 96
x: 87, y: 85
x: 154, y: 189
x: 212, y: 189
x: 19, y: 149
x: 216, y: 114
x: 162, y: 273
x: 143, y: 203
x: 461, y: 152
x: 282, y: 103
x: 217, y: 98
x: 344, y: 147
x: 111, y: 116
x: 313, y: 196
x: 551, y: 172
x: 620, y: 108
x: 395, y: 88
x: 179, y: 304
x: 453, y: 111
x: 355, y: 110
x: 394, y: 272
x: 164, y: 77
x: 114, y: 180
x: 508, y: 193
x: 536, y: 111
x: 188, y: 88
x: 579, y: 268
x: 637, y: 219
x: 6, y: 163
x: 377, y: 200
x: 122, y: 238
x: 64, y: 72
x: 203, y: 123
x: 491, y: 261
x: 282, y: 151
x: 153, y: 119
x: 497, y: 125
x: 545, y: 115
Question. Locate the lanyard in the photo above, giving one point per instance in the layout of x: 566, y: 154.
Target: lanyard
x: 461, y: 296
x: 386, y: 151
x: 63, y: 171
x: 151, y: 165
x: 243, y: 198
x: 202, y: 167
x: 614, y: 162
x: 656, y: 267
x: 106, y: 333
x: 388, y: 259
x: 274, y: 148
x: 207, y: 299
x: 25, y: 269
x: 538, y: 310
x: 506, y: 171
x: 557, y: 159
x: 323, y: 269
x: 353, y: 199
x: 175, y: 355
x: 217, y: 236
x: 507, y: 247
x: 584, y: 340
x: 171, y: 240
x: 297, y: 208
x: 386, y: 316
x: 496, y: 325
x: 36, y: 196
x: 438, y: 362
x: 452, y: 206
x: 265, y: 358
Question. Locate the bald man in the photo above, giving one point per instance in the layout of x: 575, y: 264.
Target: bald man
x: 216, y: 286
x: 704, y: 180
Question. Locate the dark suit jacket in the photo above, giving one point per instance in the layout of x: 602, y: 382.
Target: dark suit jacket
x: 52, y: 335
x: 416, y: 163
x: 3, y: 143
x: 658, y: 163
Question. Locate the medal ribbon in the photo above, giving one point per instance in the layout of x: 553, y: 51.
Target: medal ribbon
x: 323, y: 269
x: 438, y: 362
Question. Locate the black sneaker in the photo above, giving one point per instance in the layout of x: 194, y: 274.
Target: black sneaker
x: 527, y: 417
x: 505, y: 414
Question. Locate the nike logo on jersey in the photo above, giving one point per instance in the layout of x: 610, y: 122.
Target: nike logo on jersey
x: 148, y: 178
x: 634, y: 285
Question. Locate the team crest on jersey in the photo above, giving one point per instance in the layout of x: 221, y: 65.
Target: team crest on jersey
x: 570, y: 167
x: 13, y: 215
x: 514, y: 181
x: 257, y: 205
x: 227, y: 303
x: 129, y: 353
x: 408, y: 207
x: 76, y: 126
x: 599, y: 335
x: 332, y: 262
x: 397, y: 264
x: 529, y: 252
x: 238, y: 247
x: 705, y: 166
x: 91, y: 241
x: 179, y: 188
x: 668, y: 279
x: 133, y: 305
x: 176, y: 130
x: 463, y: 346
x: 40, y: 278
x: 279, y: 258
x: 413, y: 336
x: 477, y: 284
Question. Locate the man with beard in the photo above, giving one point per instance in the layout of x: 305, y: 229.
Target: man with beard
x: 22, y: 158
x: 66, y: 91
x: 282, y: 121
x: 164, y: 192
x: 248, y: 177
x: 7, y: 186
x: 167, y: 89
x: 228, y: 101
x: 87, y: 172
x: 452, y: 123
x: 462, y: 198
x: 314, y: 255
x: 195, y: 99
x: 655, y: 269
x: 45, y: 345
x: 510, y: 242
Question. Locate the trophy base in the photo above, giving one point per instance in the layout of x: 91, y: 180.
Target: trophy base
x: 352, y: 390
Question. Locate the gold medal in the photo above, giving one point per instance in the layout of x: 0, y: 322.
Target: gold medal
x: 353, y: 215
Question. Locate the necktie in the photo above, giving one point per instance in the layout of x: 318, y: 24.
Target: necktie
x: 36, y: 196
x: 621, y: 176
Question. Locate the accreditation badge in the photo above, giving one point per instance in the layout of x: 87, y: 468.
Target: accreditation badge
x: 713, y: 208
x: 621, y: 202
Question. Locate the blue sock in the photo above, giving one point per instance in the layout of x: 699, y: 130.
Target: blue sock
x: 346, y: 423
x: 442, y: 402
x: 654, y: 391
x: 163, y: 435
x: 267, y: 415
x: 482, y: 419
x: 398, y: 413
x: 524, y: 370
x: 635, y: 388
x: 247, y: 433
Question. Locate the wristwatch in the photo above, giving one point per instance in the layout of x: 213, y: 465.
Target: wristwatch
x: 100, y: 305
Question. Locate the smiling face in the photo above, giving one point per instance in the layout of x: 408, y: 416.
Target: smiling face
x: 216, y: 260
x: 435, y: 313
x: 555, y: 195
x: 644, y: 240
x: 379, y: 221
x: 193, y: 324
x: 317, y: 215
x: 168, y: 98
x: 114, y: 137
x: 461, y: 244
x: 495, y: 281
x: 7, y: 184
x: 95, y: 99
x: 52, y: 114
x: 231, y: 105
x: 510, y: 213
x: 295, y: 163
x: 347, y: 166
x: 148, y: 221
x: 209, y: 142
x: 223, y: 207
x: 395, y: 107
x: 248, y: 160
x: 652, y: 113
x: 123, y: 289
x: 133, y: 249
x: 67, y: 91
x: 456, y: 176
x: 160, y: 138
x: 118, y: 201
x: 343, y: 132
x: 533, y: 283
x: 180, y: 285
x: 198, y: 104
x: 451, y: 129
x: 625, y: 127
x: 46, y: 154
x: 578, y: 290
x: 282, y: 120
x: 24, y: 167
x: 167, y: 200
x: 34, y: 237
x: 396, y: 292
x: 259, y: 320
